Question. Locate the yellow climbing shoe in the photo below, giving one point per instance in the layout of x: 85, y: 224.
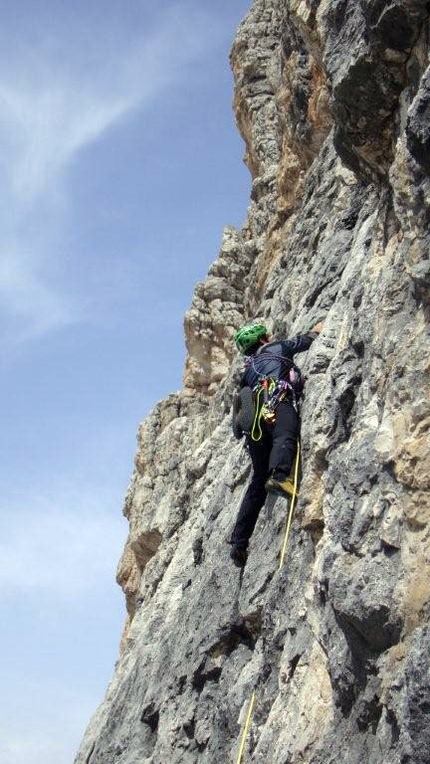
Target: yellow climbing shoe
x: 283, y: 487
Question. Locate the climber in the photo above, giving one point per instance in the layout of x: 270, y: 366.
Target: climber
x: 272, y: 439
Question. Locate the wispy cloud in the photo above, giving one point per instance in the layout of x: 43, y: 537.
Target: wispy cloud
x: 50, y: 122
x: 55, y: 101
x: 29, y: 305
x: 58, y: 101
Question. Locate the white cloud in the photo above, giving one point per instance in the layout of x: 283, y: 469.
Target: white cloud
x: 55, y: 106
x: 51, y: 121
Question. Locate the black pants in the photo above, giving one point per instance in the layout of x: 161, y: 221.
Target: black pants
x: 273, y: 455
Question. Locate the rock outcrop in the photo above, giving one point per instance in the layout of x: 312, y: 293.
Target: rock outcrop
x: 332, y: 98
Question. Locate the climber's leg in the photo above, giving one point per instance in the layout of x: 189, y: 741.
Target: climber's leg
x: 255, y: 495
x: 285, y: 435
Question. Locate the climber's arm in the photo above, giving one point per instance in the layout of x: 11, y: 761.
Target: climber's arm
x: 303, y: 341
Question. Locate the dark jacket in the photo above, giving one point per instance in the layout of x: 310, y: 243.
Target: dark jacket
x: 275, y: 359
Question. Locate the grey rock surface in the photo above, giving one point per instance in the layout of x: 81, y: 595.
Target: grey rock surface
x: 332, y: 98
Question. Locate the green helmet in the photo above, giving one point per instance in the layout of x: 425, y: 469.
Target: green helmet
x: 248, y: 335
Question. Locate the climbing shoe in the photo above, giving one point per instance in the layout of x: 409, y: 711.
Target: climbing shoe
x: 239, y: 555
x: 283, y: 487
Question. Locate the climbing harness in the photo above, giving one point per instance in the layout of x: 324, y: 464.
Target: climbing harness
x: 268, y: 393
x: 252, y: 404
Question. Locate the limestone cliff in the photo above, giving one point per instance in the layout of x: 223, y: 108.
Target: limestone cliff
x: 332, y: 98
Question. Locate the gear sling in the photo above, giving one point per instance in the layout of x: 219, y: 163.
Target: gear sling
x: 251, y: 405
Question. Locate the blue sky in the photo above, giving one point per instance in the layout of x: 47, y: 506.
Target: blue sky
x: 119, y: 166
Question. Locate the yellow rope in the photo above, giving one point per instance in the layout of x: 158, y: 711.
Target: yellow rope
x: 284, y: 549
x: 256, y: 431
x: 245, y: 729
x: 290, y: 512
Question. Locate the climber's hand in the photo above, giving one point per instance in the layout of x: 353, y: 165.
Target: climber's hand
x: 318, y: 327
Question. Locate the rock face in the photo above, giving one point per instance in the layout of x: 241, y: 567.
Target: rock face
x: 332, y: 98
